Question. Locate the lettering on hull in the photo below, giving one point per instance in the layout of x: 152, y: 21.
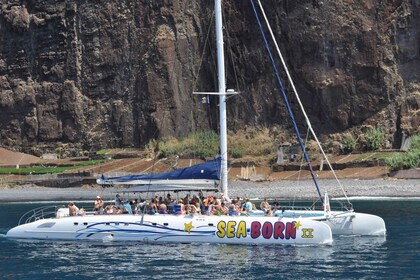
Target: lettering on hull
x: 266, y: 230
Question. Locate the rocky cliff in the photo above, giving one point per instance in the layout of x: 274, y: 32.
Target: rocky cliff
x: 118, y: 73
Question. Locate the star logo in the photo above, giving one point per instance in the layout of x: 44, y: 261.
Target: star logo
x: 188, y: 227
x: 297, y: 224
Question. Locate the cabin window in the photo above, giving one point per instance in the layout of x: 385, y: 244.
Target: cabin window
x: 117, y: 224
x: 85, y: 224
x: 46, y: 225
x: 107, y: 224
x: 211, y: 225
x: 126, y: 224
x: 76, y: 223
x: 165, y: 224
x: 154, y: 224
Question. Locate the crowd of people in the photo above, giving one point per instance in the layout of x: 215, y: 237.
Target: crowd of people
x: 193, y: 205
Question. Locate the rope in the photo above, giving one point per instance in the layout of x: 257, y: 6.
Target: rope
x: 286, y: 101
x: 204, y: 50
x: 300, y: 103
x: 231, y: 54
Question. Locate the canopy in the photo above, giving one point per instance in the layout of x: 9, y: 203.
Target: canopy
x: 204, y: 173
x: 169, y: 188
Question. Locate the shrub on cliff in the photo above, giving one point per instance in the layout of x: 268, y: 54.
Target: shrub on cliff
x: 374, y: 139
x: 349, y: 144
x: 195, y: 145
x: 408, y: 160
x: 250, y: 142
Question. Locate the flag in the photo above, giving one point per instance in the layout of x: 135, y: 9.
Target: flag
x: 204, y: 100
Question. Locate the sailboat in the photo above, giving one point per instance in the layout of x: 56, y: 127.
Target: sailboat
x: 343, y: 222
x: 179, y: 228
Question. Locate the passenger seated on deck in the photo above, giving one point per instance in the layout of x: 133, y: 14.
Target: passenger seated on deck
x: 163, y: 209
x: 213, y: 208
x: 276, y: 204
x: 98, y: 205
x: 232, y: 210
x: 248, y: 205
x: 107, y: 209
x: 153, y: 207
x: 224, y: 210
x: 244, y: 212
x: 192, y: 210
x: 119, y: 210
x: 73, y: 209
x: 127, y: 208
x: 206, y: 203
x: 179, y: 207
x: 265, y: 206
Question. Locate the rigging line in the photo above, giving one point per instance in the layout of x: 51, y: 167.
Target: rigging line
x: 300, y: 103
x: 286, y: 101
x: 301, y: 160
x: 201, y: 63
x: 204, y: 50
x: 231, y: 52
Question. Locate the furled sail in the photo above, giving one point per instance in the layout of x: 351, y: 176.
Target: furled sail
x: 204, y: 173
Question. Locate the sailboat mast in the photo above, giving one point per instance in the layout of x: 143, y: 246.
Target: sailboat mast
x: 222, y: 94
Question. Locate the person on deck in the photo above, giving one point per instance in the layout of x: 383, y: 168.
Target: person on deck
x: 179, y: 208
x: 163, y: 209
x: 73, y: 209
x: 224, y: 210
x: 118, y: 200
x: 153, y: 207
x: 98, y: 205
x: 265, y: 206
x: 168, y: 199
x: 248, y: 205
x: 225, y: 199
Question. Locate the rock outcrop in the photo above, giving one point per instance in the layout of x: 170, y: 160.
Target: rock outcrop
x: 118, y: 73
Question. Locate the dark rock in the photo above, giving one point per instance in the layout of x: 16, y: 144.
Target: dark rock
x: 118, y: 73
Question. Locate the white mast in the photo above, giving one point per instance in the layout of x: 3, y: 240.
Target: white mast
x: 222, y: 94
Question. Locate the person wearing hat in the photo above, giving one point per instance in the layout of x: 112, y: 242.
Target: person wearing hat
x: 98, y: 205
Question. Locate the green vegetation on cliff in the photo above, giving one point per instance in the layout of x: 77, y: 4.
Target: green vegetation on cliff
x: 407, y: 160
x: 47, y: 169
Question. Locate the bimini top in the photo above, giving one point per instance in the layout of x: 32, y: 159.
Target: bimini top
x: 171, y: 188
x: 204, y: 173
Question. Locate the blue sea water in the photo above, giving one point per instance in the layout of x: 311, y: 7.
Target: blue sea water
x: 396, y: 256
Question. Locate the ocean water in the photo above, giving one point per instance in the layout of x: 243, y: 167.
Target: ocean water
x: 396, y: 256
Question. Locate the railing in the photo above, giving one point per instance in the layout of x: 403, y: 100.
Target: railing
x: 39, y: 213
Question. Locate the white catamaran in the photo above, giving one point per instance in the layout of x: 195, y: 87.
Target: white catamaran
x: 182, y: 228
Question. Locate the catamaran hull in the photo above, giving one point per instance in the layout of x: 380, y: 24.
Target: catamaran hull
x: 178, y: 229
x: 344, y: 223
x: 356, y: 224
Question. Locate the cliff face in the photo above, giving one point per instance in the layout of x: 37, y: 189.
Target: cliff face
x: 118, y: 73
